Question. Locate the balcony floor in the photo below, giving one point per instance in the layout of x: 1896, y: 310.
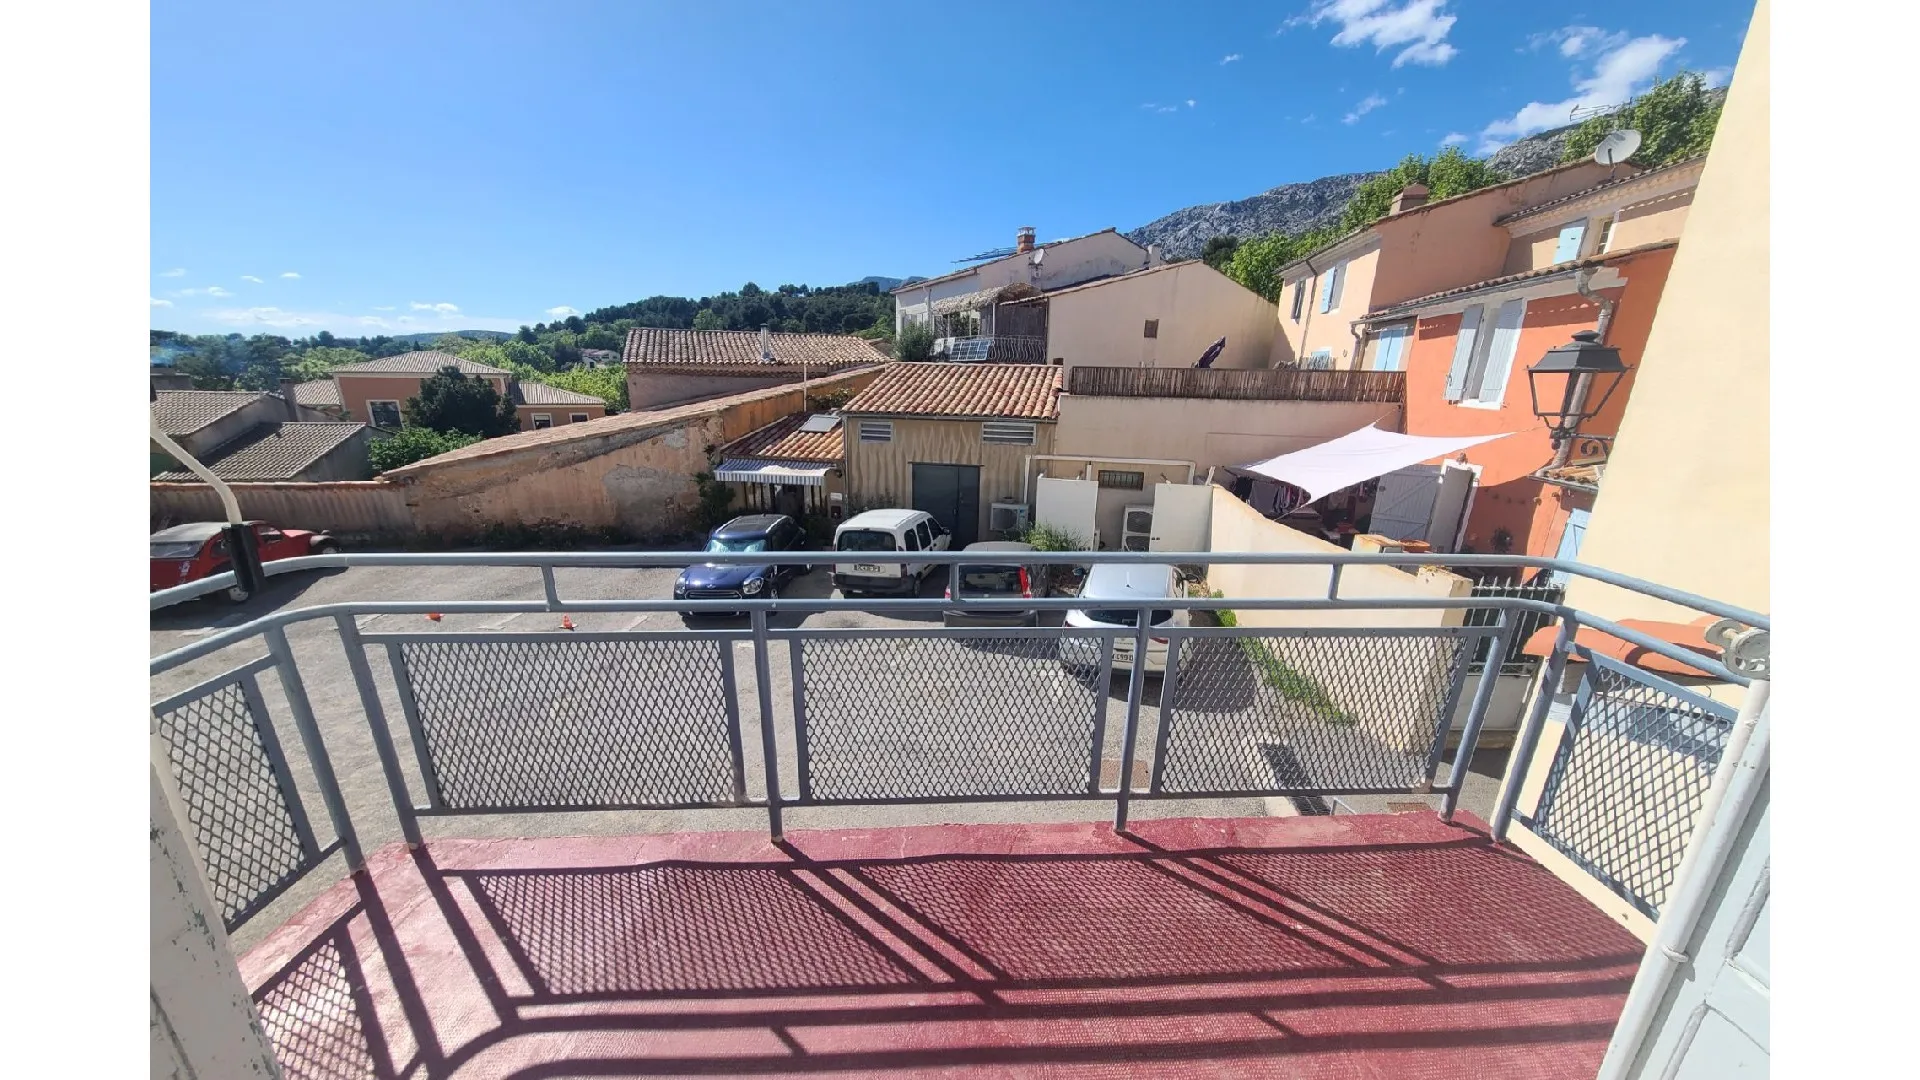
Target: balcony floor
x: 1366, y: 946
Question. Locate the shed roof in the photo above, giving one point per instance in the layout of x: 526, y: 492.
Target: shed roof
x: 741, y: 349
x: 271, y: 451
x: 1013, y: 391
x: 783, y: 440
x: 183, y: 412
x: 425, y: 362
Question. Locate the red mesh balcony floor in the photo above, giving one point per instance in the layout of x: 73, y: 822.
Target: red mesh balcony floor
x: 1373, y: 946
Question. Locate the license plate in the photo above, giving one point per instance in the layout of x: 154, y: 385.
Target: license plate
x: 867, y: 568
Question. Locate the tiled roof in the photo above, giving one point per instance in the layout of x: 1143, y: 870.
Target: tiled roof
x: 1116, y: 278
x: 1408, y: 306
x: 183, y: 412
x: 417, y: 363
x: 318, y: 394
x: 535, y: 393
x: 1688, y: 163
x: 1018, y: 391
x: 783, y: 440
x: 741, y: 348
x: 989, y: 262
x: 271, y: 451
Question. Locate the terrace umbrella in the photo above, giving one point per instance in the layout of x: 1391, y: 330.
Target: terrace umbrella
x: 1213, y: 353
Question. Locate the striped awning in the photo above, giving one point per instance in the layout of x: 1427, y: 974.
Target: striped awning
x: 757, y: 471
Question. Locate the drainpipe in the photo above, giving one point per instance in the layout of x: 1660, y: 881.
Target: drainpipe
x: 1583, y: 281
x: 1736, y: 785
x: 1359, y: 341
x: 1307, y: 324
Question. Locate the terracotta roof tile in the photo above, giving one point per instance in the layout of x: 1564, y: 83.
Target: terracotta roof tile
x: 183, y: 412
x: 1406, y: 307
x: 1696, y: 162
x: 270, y: 451
x: 1017, y: 391
x: 318, y: 394
x: 741, y: 348
x: 783, y: 440
x: 418, y: 363
x: 536, y: 393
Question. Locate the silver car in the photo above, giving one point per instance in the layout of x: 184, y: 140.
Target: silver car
x: 1115, y: 593
x: 1005, y: 577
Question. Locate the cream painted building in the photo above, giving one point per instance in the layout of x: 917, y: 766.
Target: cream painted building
x: 1164, y: 316
x: 962, y: 304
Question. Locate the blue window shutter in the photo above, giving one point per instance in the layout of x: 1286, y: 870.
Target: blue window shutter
x: 1339, y: 279
x: 1569, y: 246
x: 1463, y: 353
x: 1391, y: 353
x: 1506, y: 342
x: 1327, y: 281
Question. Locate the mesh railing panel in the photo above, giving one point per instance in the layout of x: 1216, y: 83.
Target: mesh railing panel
x: 933, y: 717
x: 1627, y: 782
x: 1333, y: 710
x: 312, y: 1016
x: 241, y: 817
x: 573, y: 722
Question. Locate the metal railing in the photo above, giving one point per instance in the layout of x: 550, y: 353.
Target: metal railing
x: 992, y: 349
x: 527, y: 722
x: 1515, y: 661
x: 1256, y: 384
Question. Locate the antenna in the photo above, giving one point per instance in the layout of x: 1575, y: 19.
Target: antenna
x: 1616, y: 147
x: 1039, y: 256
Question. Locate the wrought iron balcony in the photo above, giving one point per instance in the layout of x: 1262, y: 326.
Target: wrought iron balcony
x: 992, y: 349
x: 1226, y: 941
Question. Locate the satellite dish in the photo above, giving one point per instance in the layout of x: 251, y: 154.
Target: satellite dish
x: 1617, y: 147
x: 1039, y: 256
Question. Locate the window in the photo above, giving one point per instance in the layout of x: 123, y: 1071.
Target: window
x: 542, y: 420
x: 876, y: 431
x: 1606, y: 234
x: 1319, y: 360
x: 926, y: 536
x: 1569, y: 245
x: 1482, y: 380
x: 1299, y: 297
x: 1390, y: 350
x: 1330, y: 288
x: 383, y: 414
x: 1152, y: 330
x: 577, y: 418
x: 995, y: 431
x: 913, y: 540
x: 1129, y: 481
x: 939, y: 530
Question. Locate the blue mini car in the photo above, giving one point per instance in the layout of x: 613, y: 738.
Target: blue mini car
x: 755, y: 532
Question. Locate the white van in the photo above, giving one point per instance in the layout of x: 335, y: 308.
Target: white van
x: 1121, y: 590
x: 886, y: 530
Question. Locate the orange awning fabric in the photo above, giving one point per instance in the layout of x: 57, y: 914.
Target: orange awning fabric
x: 1686, y: 635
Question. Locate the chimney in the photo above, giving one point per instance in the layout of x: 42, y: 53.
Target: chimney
x: 766, y: 344
x: 1410, y: 196
x: 1023, y: 240
x: 286, y: 393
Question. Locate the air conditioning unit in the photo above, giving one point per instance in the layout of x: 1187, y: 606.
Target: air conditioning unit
x: 1136, y: 528
x: 1007, y: 517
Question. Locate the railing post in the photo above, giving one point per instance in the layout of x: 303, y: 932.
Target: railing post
x: 377, y: 725
x: 763, y: 679
x: 1476, y: 714
x: 317, y: 757
x: 1523, y: 751
x: 1136, y: 685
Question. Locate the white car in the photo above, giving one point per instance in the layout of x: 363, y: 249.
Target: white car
x: 885, y: 530
x: 1120, y: 591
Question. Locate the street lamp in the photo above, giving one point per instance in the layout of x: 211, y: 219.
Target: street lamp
x: 1578, y: 365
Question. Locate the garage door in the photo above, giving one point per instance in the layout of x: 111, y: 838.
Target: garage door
x: 951, y: 493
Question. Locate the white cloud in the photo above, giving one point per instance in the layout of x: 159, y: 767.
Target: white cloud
x: 1418, y: 28
x: 1572, y: 41
x: 211, y: 290
x: 441, y: 308
x: 561, y: 312
x: 1453, y: 138
x: 1717, y: 77
x: 1615, y: 76
x: 265, y: 318
x: 1228, y: 59
x: 291, y: 274
x: 1307, y: 119
x: 388, y: 307
x: 154, y: 301
x: 1157, y: 108
x: 175, y: 272
x: 250, y: 277
x: 1367, y: 105
x: 1191, y: 103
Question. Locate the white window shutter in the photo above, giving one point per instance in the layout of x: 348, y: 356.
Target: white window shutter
x: 1506, y: 341
x: 1327, y: 281
x: 1569, y: 246
x: 1339, y: 280
x: 1463, y: 353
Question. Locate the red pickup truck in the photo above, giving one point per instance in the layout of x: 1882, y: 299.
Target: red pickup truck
x: 198, y: 549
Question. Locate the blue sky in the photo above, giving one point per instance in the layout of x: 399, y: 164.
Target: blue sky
x: 406, y: 167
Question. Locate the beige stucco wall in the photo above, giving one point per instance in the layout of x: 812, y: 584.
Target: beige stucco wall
x: 1685, y: 498
x: 1208, y: 432
x: 357, y: 390
x: 1651, y: 221
x: 1194, y: 304
x: 648, y: 389
x: 1084, y: 259
x: 881, y: 474
x: 1333, y: 329
x: 1646, y: 221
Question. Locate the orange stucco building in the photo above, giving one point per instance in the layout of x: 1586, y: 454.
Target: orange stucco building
x: 376, y: 391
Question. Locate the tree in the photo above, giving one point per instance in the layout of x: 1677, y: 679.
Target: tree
x: 915, y: 342
x: 414, y: 444
x: 1449, y: 174
x: 1219, y: 252
x: 1257, y: 262
x: 451, y: 402
x: 708, y: 319
x: 528, y: 335
x: 317, y: 362
x: 520, y: 354
x: 1675, y: 119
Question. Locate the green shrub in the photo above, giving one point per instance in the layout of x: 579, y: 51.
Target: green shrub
x: 915, y: 342
x: 414, y: 444
x: 1052, y: 538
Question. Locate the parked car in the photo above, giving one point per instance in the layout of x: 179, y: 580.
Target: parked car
x: 754, y: 532
x: 886, y: 530
x: 198, y: 550
x: 1115, y: 593
x: 1006, y: 577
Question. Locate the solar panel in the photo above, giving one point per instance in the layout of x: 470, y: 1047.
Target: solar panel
x: 820, y: 423
x: 974, y: 348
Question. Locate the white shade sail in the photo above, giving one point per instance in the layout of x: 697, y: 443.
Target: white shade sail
x: 1358, y: 457
x: 752, y: 471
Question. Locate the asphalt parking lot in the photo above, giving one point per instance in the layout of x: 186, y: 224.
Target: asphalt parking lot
x: 953, y: 707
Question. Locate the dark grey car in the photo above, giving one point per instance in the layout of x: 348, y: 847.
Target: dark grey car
x: 1005, y: 576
